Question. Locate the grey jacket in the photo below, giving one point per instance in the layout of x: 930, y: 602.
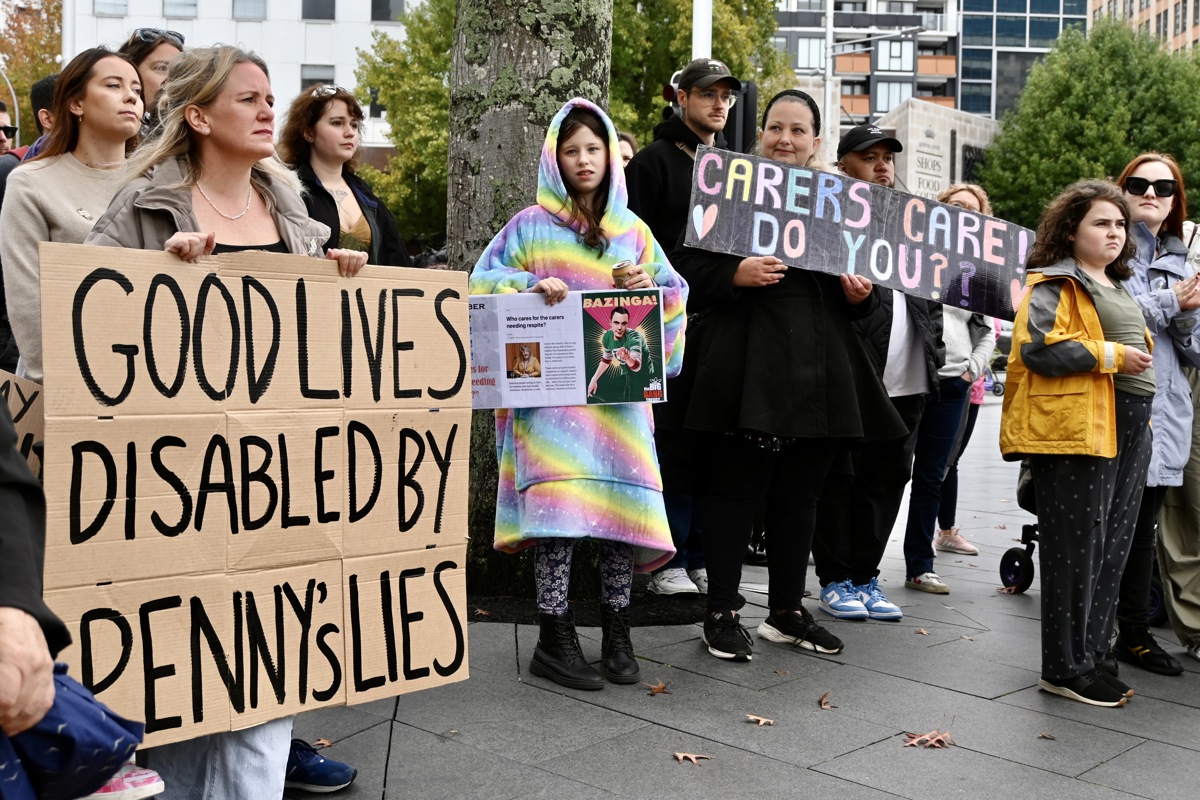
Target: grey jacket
x: 1176, y: 344
x: 151, y: 209
x: 969, y: 339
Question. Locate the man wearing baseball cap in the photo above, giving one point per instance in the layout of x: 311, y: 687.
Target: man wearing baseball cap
x: 867, y: 153
x: 659, y: 179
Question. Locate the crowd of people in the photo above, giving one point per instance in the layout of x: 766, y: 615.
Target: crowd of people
x: 802, y: 403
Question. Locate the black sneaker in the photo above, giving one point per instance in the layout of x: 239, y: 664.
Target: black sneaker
x: 1090, y: 688
x: 726, y: 637
x: 1107, y: 662
x: 1135, y: 645
x: 1113, y: 681
x: 800, y: 629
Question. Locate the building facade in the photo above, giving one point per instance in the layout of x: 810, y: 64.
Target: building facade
x: 298, y: 39
x: 1175, y: 22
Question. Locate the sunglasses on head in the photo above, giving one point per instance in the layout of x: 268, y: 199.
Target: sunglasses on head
x: 9, y: 131
x: 149, y: 35
x: 327, y: 90
x: 1163, y: 187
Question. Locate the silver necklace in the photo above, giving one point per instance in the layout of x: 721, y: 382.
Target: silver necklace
x: 249, y: 199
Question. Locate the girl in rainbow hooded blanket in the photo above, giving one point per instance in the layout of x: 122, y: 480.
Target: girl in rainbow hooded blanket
x: 577, y: 472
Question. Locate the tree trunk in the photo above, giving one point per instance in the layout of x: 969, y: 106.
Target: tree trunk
x: 516, y: 62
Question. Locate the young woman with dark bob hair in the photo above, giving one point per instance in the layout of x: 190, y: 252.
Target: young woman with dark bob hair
x: 1080, y: 387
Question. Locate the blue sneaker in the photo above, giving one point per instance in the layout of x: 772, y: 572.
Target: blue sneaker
x: 839, y: 600
x: 312, y: 772
x: 878, y: 606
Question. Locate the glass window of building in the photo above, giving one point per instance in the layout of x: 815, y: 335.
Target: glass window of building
x: 1195, y: 11
x: 889, y: 94
x: 811, y: 54
x: 896, y: 56
x: 1075, y: 7
x: 1010, y: 31
x: 386, y: 10
x: 249, y: 9
x: 977, y: 64
x: 1043, y: 6
x: 318, y: 9
x: 312, y: 74
x: 1011, y: 6
x: 982, y: 5
x: 1075, y: 22
x: 977, y: 98
x: 179, y: 9
x: 1042, y: 31
x: 977, y: 30
x: 110, y: 8
x: 780, y: 43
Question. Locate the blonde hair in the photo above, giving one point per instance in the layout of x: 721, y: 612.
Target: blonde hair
x: 196, y: 78
x: 985, y: 205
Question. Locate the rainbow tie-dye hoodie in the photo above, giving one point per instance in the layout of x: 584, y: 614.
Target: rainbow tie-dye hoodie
x: 580, y: 471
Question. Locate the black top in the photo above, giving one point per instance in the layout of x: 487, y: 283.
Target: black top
x: 926, y: 317
x: 274, y: 247
x: 387, y: 248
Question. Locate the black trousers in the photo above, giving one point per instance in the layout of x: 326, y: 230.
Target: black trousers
x: 787, y: 484
x: 856, y: 513
x: 1133, y: 602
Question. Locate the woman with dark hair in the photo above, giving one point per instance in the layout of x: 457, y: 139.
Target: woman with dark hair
x: 1080, y: 386
x: 629, y: 146
x: 209, y: 183
x: 59, y: 195
x: 1168, y: 294
x: 151, y: 52
x: 581, y: 472
x: 320, y: 141
x: 778, y: 382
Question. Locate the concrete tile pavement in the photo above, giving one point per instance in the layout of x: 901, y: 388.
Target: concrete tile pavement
x: 506, y: 734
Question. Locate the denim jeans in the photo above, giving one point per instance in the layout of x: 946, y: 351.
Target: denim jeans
x: 935, y: 445
x: 683, y: 516
x: 249, y: 764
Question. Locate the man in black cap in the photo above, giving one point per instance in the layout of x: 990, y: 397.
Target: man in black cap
x: 659, y: 177
x: 869, y: 154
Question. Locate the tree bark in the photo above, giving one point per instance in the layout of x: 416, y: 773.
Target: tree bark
x: 515, y: 63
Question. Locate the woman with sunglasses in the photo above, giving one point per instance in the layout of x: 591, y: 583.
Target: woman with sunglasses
x: 320, y: 141
x: 151, y: 52
x: 1162, y: 284
x: 209, y: 183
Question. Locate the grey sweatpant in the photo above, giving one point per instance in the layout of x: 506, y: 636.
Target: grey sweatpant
x: 1087, y: 507
x: 1179, y: 539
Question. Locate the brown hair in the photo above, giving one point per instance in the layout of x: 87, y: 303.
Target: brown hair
x: 587, y: 220
x: 985, y: 205
x: 72, y: 85
x: 302, y: 118
x: 141, y: 45
x: 1061, y: 218
x: 1173, y: 224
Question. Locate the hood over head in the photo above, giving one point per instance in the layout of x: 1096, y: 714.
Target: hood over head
x: 552, y: 189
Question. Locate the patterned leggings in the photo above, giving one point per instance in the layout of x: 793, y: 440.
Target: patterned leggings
x: 552, y: 573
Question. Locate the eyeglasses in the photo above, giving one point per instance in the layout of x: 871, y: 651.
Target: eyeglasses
x: 1163, y: 187
x: 327, y: 90
x: 149, y: 35
x: 711, y: 96
x: 9, y: 131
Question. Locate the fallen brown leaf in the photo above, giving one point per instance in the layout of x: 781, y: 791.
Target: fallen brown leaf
x: 1007, y: 589
x: 657, y: 688
x: 322, y: 743
x: 760, y: 721
x: 1005, y: 500
x: 692, y: 757
x: 959, y: 561
x: 482, y: 612
x: 1046, y: 736
x: 969, y: 638
x: 1001, y: 527
x: 781, y: 672
x: 972, y: 564
x: 921, y: 632
x: 824, y: 704
x: 935, y: 739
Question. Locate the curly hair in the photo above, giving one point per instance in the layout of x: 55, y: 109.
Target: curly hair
x: 1173, y: 224
x: 985, y: 205
x: 306, y: 110
x: 1061, y: 219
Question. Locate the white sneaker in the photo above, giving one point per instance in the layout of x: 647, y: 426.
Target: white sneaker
x: 952, y: 541
x: 130, y: 783
x: 673, y: 581
x: 1193, y: 650
x: 700, y: 578
x: 929, y: 582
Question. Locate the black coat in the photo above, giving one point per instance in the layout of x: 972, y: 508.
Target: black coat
x: 387, y: 248
x: 782, y: 360
x: 926, y: 315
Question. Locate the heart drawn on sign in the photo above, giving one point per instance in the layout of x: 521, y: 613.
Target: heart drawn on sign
x: 704, y: 218
x: 1017, y: 292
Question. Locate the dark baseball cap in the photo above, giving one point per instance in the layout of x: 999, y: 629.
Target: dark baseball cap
x: 864, y: 136
x: 704, y: 72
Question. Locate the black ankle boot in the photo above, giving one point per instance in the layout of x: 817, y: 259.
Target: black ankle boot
x: 558, y: 656
x: 616, y: 651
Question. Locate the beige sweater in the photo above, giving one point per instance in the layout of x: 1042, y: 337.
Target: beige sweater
x: 54, y: 200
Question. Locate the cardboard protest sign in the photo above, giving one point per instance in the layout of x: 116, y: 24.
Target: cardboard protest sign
x: 24, y: 399
x: 750, y: 206
x: 593, y: 348
x: 256, y: 481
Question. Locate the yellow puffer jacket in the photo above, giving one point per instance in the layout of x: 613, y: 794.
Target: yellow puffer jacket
x: 1059, y: 397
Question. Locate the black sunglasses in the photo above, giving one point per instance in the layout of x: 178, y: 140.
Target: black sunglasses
x: 1163, y: 187
x: 149, y: 35
x: 9, y: 131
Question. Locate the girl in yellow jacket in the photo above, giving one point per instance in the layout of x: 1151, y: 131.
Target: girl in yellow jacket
x: 1080, y: 386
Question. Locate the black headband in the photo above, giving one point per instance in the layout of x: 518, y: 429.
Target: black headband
x: 799, y: 95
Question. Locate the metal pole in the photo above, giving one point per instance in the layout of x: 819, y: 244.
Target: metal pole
x: 833, y: 116
x: 702, y: 29
x: 16, y: 108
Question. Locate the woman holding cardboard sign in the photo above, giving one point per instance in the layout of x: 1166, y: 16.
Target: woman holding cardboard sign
x: 210, y: 184
x: 778, y: 384
x: 583, y: 471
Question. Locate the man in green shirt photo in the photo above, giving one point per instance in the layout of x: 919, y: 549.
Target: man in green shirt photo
x: 625, y: 347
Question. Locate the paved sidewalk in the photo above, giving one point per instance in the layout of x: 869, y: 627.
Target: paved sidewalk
x: 506, y: 734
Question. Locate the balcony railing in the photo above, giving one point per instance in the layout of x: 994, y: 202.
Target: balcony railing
x: 852, y: 64
x: 948, y: 102
x: 937, y: 66
x: 857, y: 104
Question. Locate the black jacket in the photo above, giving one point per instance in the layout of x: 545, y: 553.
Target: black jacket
x: 659, y: 178
x: 926, y: 315
x: 23, y: 538
x: 387, y: 248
